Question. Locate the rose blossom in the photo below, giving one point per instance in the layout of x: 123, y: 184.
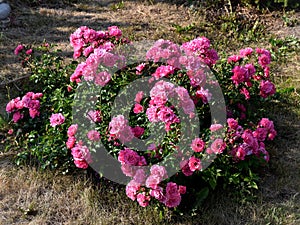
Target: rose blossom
x: 152, y: 181
x: 70, y: 142
x: 184, y: 165
x: 128, y: 156
x: 138, y: 108
x: 232, y: 123
x: 158, y: 194
x: 81, y: 155
x: 17, y: 116
x: 140, y: 176
x: 131, y: 189
x: 218, y: 146
x: 102, y: 78
x: 215, y: 127
x: 198, y: 145
x: 260, y: 133
x: 93, y: 135
x: 139, y: 96
x: 140, y: 68
x: 143, y: 199
x: 246, y: 52
x: 137, y: 131
x: 114, y: 31
x: 94, y: 115
x: 57, y: 119
x: 72, y: 130
x: 267, y: 88
x: 159, y: 171
x: 18, y: 49
x: 28, y: 52
x: 234, y: 58
x: 195, y: 164
x: 173, y: 197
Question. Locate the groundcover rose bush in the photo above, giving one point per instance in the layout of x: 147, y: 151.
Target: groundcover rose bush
x: 176, y: 103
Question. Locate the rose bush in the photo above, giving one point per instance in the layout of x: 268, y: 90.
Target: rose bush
x: 181, y: 80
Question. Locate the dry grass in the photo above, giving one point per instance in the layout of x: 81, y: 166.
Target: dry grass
x: 28, y: 196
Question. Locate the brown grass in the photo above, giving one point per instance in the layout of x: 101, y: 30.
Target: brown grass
x: 28, y: 196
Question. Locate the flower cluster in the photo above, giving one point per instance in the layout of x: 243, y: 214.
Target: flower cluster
x: 57, y: 119
x: 119, y: 129
x: 182, y: 85
x: 257, y: 70
x: 29, y: 101
x: 188, y: 64
x: 96, y: 46
x: 247, y: 142
x: 143, y: 187
x: 20, y: 48
x: 81, y: 154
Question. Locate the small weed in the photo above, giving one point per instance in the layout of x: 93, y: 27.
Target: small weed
x: 182, y: 29
x: 118, y: 6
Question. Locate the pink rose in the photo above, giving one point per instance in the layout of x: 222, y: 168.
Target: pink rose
x: 248, y: 137
x: 18, y: 49
x: 128, y: 156
x: 267, y: 88
x: 138, y: 108
x: 102, y: 78
x: 152, y: 181
x: 272, y: 134
x: 198, y: 145
x: 246, y: 52
x: 114, y: 31
x: 11, y: 106
x: 158, y: 194
x: 163, y: 71
x: 266, y: 123
x: 140, y: 176
x: 260, y: 133
x: 204, y: 95
x: 131, y: 189
x: 234, y: 58
x: 184, y: 165
x: 57, y: 119
x: 182, y: 189
x: 140, y: 68
x: 72, y: 130
x: 172, y: 201
x: 17, y: 116
x: 159, y: 171
x: 264, y: 60
x: 232, y: 123
x: 70, y: 142
x: 215, y: 127
x: 241, y: 153
x: 195, y: 164
x: 94, y: 115
x: 34, y: 113
x: 143, y: 199
x: 218, y: 146
x: 245, y: 92
x: 82, y: 164
x: 137, y: 131
x: 28, y: 52
x: 128, y: 170
x: 139, y: 96
x: 93, y: 135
